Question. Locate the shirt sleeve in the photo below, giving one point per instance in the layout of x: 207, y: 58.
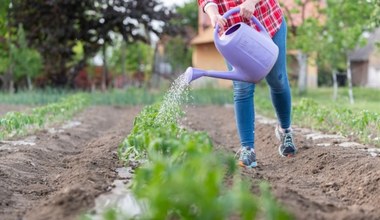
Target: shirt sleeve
x: 206, y: 3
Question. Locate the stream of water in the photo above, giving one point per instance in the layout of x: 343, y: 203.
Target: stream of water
x: 120, y: 198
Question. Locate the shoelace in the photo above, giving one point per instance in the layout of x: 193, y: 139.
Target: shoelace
x: 288, y: 140
x: 243, y: 151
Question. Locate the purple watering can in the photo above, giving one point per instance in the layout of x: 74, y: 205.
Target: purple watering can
x: 251, y: 53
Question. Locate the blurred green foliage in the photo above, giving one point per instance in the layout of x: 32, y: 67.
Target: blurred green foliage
x: 138, y: 57
x: 35, y: 97
x: 188, y: 15
x: 165, y: 184
x: 27, y: 62
x: 326, y: 31
x: 55, y: 28
x: 4, y: 6
x: 130, y: 96
x: 346, y: 20
x: 178, y: 53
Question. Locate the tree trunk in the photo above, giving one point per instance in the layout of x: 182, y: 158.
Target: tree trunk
x: 11, y: 86
x: 10, y: 68
x: 93, y: 86
x: 335, y: 85
x: 123, y: 62
x: 2, y: 84
x: 123, y: 58
x: 105, y: 71
x: 29, y: 81
x: 349, y: 78
x: 302, y: 74
x: 55, y: 69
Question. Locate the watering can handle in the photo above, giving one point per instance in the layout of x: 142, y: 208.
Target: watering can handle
x: 236, y: 10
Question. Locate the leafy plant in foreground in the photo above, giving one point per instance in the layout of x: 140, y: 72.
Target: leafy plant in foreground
x: 183, y: 178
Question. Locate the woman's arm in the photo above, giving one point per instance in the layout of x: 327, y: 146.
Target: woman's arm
x: 247, y: 8
x: 203, y: 3
x: 210, y: 7
x: 212, y: 11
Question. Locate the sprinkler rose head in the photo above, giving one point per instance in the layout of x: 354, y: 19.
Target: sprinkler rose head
x: 192, y: 74
x: 189, y: 75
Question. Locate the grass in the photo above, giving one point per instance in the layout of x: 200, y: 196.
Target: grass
x: 365, y: 98
x: 131, y: 96
x: 34, y: 97
x: 315, y: 109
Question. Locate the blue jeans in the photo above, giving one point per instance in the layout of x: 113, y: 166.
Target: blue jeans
x: 278, y: 82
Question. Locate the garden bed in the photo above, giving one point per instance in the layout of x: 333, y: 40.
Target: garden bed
x: 60, y: 176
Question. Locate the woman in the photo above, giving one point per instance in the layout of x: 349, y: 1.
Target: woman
x: 269, y: 13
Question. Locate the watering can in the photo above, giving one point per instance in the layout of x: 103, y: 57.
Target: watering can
x: 251, y: 53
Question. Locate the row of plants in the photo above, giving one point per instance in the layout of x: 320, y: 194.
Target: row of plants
x: 182, y: 177
x: 344, y: 119
x: 17, y: 123
x: 130, y: 96
x: 316, y: 112
x: 364, y: 125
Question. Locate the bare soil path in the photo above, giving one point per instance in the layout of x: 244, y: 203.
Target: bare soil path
x: 57, y: 173
x: 61, y: 171
x: 324, y: 181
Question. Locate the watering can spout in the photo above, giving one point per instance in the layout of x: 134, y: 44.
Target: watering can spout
x: 192, y: 74
x: 251, y: 53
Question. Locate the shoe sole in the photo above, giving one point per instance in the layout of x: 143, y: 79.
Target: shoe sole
x: 286, y: 155
x: 253, y: 164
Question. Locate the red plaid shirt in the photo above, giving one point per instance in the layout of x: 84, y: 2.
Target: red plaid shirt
x: 268, y: 12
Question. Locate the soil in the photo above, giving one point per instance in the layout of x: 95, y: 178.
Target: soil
x: 60, y: 176
x: 330, y: 178
x: 70, y: 165
x: 4, y: 108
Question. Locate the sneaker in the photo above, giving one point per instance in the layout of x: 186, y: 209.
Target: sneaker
x: 287, y: 147
x: 247, y: 158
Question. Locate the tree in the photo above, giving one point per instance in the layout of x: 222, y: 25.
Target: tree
x: 27, y: 62
x: 179, y: 61
x: 138, y: 57
x: 376, y: 14
x: 54, y: 27
x: 346, y: 21
x: 178, y: 50
x: 6, y: 58
x: 188, y: 15
x: 304, y: 27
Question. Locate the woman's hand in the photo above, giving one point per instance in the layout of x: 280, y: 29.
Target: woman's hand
x: 218, y: 19
x: 247, y: 8
x: 215, y: 17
